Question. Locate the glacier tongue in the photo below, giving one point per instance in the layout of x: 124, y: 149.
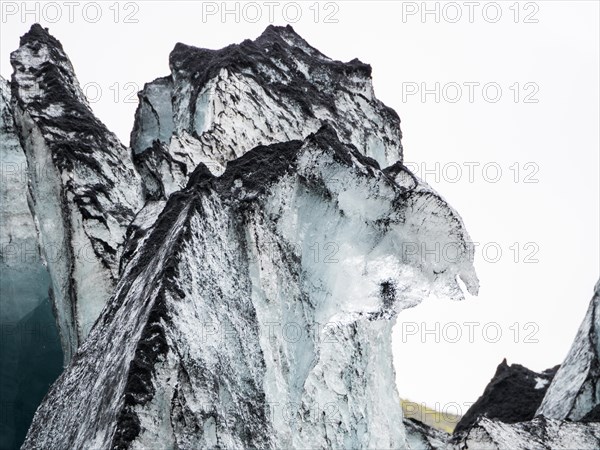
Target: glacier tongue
x: 257, y: 311
x: 575, y: 391
x: 83, y: 184
x: 218, y: 104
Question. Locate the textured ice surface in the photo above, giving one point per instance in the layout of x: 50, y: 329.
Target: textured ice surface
x: 229, y: 328
x: 538, y: 434
x: 222, y: 103
x: 575, y: 390
x: 254, y: 251
x: 154, y: 117
x: 83, y: 185
x: 423, y: 437
x: 26, y: 322
x: 24, y: 280
x: 255, y: 247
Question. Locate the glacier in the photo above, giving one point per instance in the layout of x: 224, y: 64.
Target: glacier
x: 225, y: 321
x: 231, y: 279
x: 232, y: 302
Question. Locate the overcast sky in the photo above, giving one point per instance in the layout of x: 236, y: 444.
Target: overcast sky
x: 514, y: 131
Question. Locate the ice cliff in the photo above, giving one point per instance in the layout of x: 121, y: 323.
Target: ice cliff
x: 243, y: 263
x: 24, y: 282
x: 83, y: 188
x: 227, y: 329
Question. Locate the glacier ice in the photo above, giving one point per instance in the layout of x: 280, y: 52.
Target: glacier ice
x: 242, y: 265
x: 540, y: 433
x: 225, y: 320
x: 420, y: 436
x: 24, y: 280
x: 575, y: 390
x: 31, y: 361
x: 154, y: 116
x: 83, y: 187
x: 222, y: 103
x: 26, y: 318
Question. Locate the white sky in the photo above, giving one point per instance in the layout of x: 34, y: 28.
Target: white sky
x: 559, y: 135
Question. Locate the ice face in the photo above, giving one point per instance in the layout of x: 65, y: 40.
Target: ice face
x: 422, y: 437
x: 253, y: 288
x: 274, y: 89
x: 575, y: 391
x: 24, y: 280
x: 538, y: 434
x: 262, y: 337
x: 83, y: 187
x: 154, y: 117
x: 30, y: 349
